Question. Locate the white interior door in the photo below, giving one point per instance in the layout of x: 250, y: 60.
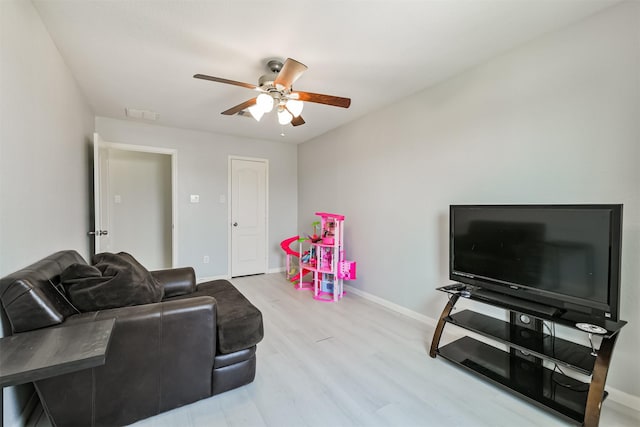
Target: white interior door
x: 248, y: 216
x: 100, y: 230
x: 134, y: 202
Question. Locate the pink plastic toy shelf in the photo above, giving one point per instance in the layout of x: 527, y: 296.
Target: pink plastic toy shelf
x: 322, y: 256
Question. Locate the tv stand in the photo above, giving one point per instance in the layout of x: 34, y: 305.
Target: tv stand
x: 525, y: 370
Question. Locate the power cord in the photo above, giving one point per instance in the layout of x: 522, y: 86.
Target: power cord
x: 557, y: 369
x: 578, y: 387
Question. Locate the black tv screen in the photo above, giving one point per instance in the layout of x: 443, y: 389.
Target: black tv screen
x: 565, y: 256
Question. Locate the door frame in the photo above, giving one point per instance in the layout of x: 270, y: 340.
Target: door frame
x: 266, y: 208
x: 174, y: 185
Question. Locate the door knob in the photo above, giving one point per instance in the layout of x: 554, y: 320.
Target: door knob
x: 235, y: 224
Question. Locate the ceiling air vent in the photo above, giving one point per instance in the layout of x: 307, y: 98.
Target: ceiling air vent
x: 141, y: 114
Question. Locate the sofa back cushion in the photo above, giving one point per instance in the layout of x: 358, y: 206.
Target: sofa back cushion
x: 32, y: 297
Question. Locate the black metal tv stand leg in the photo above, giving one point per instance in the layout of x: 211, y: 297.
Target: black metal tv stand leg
x: 598, y: 380
x: 441, y: 322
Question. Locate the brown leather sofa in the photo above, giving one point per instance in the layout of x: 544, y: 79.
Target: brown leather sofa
x: 197, y: 342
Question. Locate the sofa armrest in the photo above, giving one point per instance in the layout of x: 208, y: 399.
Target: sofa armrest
x: 176, y: 281
x: 160, y: 357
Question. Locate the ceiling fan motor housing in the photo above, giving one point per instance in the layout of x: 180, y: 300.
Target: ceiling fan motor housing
x: 266, y: 81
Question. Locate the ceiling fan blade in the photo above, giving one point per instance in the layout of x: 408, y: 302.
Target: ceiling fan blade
x: 319, y: 98
x: 227, y: 81
x: 291, y: 71
x: 233, y: 110
x: 297, y: 121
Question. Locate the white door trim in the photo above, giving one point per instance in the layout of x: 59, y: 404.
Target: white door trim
x: 266, y: 207
x: 174, y: 185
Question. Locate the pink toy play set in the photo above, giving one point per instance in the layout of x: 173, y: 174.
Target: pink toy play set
x: 323, y: 258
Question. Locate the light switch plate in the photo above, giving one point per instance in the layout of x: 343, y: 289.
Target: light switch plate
x: 194, y: 198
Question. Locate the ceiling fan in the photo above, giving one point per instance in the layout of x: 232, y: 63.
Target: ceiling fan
x: 277, y: 91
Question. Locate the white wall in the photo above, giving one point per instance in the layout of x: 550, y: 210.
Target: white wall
x: 45, y: 124
x: 554, y: 121
x: 202, y: 169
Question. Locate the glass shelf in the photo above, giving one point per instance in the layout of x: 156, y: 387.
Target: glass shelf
x: 563, y: 395
x: 558, y: 350
x: 534, y: 309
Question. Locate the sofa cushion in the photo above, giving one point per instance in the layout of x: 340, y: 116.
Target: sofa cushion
x: 239, y: 322
x: 115, y: 280
x: 30, y: 296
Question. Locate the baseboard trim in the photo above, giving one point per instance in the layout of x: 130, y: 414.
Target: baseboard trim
x: 615, y: 395
x: 626, y: 399
x: 392, y: 306
x: 227, y: 277
x: 210, y: 278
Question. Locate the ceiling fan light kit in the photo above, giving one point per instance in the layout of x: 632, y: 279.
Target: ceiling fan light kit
x: 284, y: 116
x: 256, y: 112
x: 265, y: 102
x: 295, y: 107
x: 276, y: 90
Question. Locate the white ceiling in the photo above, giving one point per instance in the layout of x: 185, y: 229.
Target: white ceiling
x: 143, y: 53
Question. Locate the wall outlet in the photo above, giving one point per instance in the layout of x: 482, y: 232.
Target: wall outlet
x: 194, y: 198
x: 205, y: 259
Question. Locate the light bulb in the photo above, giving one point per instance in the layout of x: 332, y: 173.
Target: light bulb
x: 265, y: 102
x: 284, y: 117
x: 295, y: 107
x: 256, y: 112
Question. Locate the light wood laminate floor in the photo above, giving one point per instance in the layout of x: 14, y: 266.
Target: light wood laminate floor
x: 353, y: 363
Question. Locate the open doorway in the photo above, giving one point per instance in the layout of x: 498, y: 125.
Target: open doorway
x: 135, y: 202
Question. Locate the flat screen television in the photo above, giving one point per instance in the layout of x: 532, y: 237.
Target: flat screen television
x: 561, y: 256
